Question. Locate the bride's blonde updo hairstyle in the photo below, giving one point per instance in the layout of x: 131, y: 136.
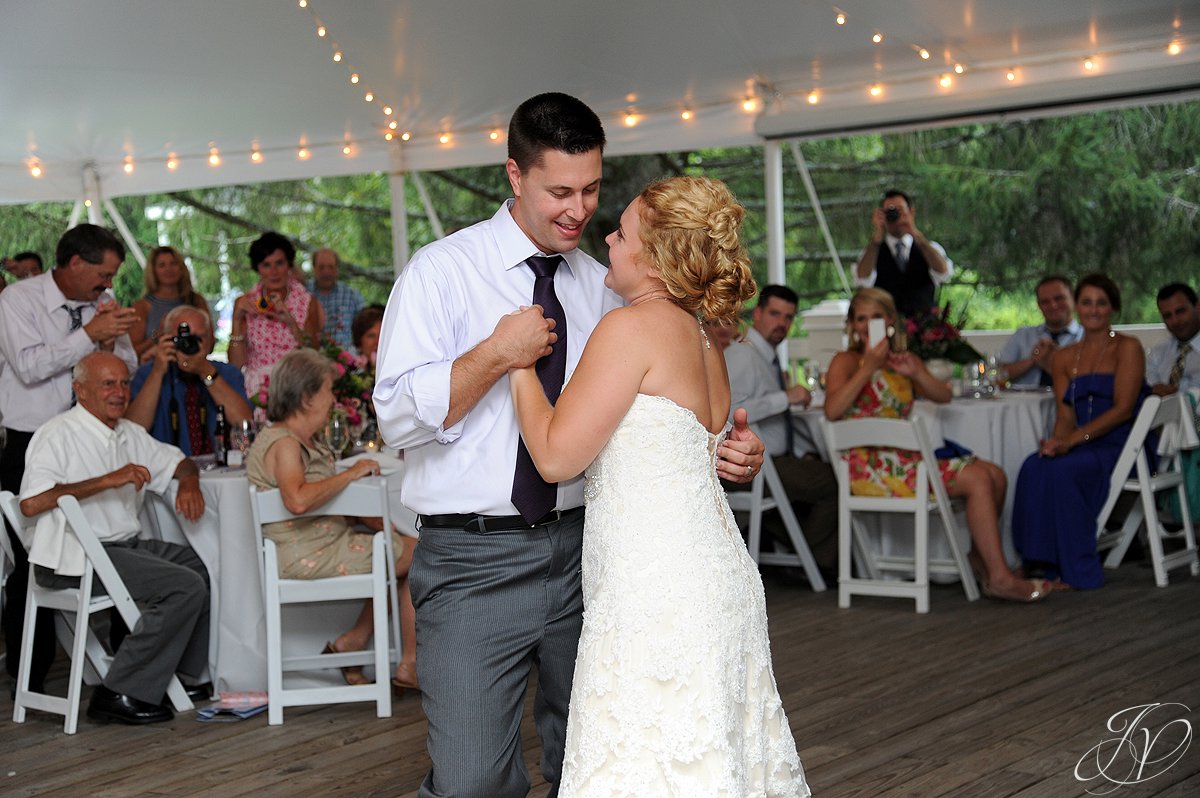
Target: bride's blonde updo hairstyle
x: 690, y: 237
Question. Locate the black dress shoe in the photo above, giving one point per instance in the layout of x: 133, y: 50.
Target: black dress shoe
x: 107, y: 706
x: 198, y: 692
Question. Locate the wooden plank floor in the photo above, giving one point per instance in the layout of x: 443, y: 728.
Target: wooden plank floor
x: 980, y: 700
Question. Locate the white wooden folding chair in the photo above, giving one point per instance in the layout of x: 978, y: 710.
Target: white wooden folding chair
x: 754, y: 503
x: 1171, y: 417
x: 7, y: 562
x: 364, y: 497
x: 75, y: 607
x: 841, y: 436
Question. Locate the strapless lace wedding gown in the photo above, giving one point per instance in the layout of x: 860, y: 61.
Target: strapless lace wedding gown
x: 673, y: 692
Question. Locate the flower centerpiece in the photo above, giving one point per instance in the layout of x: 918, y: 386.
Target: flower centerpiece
x: 353, y: 383
x: 932, y: 335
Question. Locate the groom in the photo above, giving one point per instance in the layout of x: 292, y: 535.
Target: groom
x: 496, y: 577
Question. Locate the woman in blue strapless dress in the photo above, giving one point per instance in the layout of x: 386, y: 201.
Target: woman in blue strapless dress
x: 1099, y: 385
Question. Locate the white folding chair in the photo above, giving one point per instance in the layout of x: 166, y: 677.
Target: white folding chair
x: 363, y: 497
x: 841, y: 436
x: 75, y: 606
x: 7, y: 562
x: 1167, y: 415
x: 754, y: 503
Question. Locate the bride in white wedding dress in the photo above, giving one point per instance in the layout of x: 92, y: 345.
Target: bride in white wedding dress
x: 673, y: 693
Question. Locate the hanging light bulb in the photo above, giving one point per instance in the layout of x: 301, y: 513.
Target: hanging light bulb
x: 347, y: 149
x: 750, y: 105
x: 303, y: 3
x: 405, y: 136
x: 321, y: 31
x: 814, y: 97
x: 1175, y: 47
x: 256, y: 156
x: 921, y: 51
x: 946, y: 81
x: 128, y: 167
x: 387, y: 110
x: 877, y: 38
x: 388, y: 136
x: 630, y: 119
x: 35, y: 168
x: 214, y: 157
x: 354, y: 77
x: 841, y: 16
x: 1089, y: 64
x: 876, y: 89
x: 686, y: 115
x: 444, y: 138
x: 172, y: 162
x: 303, y: 153
x: 369, y: 96
x: 337, y: 56
x: 495, y: 134
x: 1010, y: 75
x: 392, y: 125
x: 959, y: 69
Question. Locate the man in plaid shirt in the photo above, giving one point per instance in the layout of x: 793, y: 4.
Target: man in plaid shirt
x: 340, y: 302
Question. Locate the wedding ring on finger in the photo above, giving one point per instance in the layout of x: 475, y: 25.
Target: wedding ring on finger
x: 749, y: 470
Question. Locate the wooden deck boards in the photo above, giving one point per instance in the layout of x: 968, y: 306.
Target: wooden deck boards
x: 973, y: 700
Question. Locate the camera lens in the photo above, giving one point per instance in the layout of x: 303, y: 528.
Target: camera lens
x: 185, y: 342
x: 891, y: 213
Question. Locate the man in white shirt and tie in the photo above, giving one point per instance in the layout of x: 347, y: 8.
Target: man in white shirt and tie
x: 47, y: 324
x: 1027, y: 353
x: 496, y: 579
x: 900, y: 259
x: 1174, y: 365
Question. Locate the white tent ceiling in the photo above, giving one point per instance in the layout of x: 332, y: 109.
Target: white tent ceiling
x: 102, y: 82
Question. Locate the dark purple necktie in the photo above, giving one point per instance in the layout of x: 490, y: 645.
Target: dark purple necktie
x: 533, y: 496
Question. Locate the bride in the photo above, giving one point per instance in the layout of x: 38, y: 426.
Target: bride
x: 673, y: 693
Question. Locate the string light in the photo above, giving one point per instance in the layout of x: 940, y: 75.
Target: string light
x: 921, y: 51
x: 876, y: 89
x: 388, y: 136
x: 347, y: 149
x: 354, y: 77
x: 393, y: 124
x: 303, y: 153
x: 946, y: 81
x: 814, y: 97
x: 959, y: 69
x: 303, y: 3
x: 369, y: 96
x: 128, y: 167
x: 405, y: 136
x: 387, y: 110
x: 35, y: 168
x: 1089, y: 64
x: 1010, y: 75
x: 214, y: 157
x: 841, y: 16
x: 256, y: 156
x: 321, y: 31
x: 686, y: 115
x: 337, y: 57
x: 630, y: 119
x: 877, y: 38
x: 750, y: 105
x: 1175, y: 47
x: 495, y: 134
x: 172, y: 162
x: 444, y: 138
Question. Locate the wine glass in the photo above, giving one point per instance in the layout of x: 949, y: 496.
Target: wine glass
x: 335, y: 434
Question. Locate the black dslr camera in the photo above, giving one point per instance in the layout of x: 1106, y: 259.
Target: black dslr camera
x: 891, y: 213
x: 185, y: 342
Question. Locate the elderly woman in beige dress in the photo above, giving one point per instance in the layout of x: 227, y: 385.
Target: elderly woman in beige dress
x: 292, y: 455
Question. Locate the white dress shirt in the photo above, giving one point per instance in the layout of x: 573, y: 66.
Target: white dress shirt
x: 1161, y: 360
x: 906, y: 241
x: 40, y: 350
x: 75, y: 446
x: 754, y: 385
x: 1021, y: 343
x: 446, y: 301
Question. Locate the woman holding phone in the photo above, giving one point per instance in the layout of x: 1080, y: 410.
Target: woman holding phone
x: 877, y: 377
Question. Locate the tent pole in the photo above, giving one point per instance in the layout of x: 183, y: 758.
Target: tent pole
x: 773, y: 175
x: 396, y: 184
x: 130, y: 242
x: 76, y: 212
x: 802, y: 167
x: 430, y: 211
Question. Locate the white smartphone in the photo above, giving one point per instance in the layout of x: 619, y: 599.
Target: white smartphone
x: 876, y: 331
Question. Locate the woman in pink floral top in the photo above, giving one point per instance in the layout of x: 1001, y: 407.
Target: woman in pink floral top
x: 276, y: 316
x: 881, y: 382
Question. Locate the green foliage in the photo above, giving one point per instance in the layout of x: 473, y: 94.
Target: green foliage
x: 1117, y: 192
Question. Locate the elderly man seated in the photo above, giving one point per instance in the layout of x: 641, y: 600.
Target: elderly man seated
x: 92, y: 453
x: 176, y: 394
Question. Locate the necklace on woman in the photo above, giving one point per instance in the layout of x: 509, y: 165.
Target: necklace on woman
x: 1075, y: 379
x: 650, y: 296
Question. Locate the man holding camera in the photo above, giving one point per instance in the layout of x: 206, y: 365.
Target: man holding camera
x: 900, y: 259
x: 175, y: 395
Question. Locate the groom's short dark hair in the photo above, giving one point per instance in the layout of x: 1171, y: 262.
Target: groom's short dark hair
x: 552, y: 121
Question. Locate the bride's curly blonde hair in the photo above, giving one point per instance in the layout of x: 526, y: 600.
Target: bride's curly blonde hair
x: 690, y: 237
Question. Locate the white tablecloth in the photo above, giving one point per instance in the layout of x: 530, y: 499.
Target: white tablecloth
x: 224, y: 540
x: 1004, y: 430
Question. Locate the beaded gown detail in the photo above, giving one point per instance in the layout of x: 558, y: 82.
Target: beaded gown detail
x: 674, y: 693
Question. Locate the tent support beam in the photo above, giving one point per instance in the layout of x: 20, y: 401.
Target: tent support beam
x: 802, y: 168
x: 773, y: 192
x: 396, y: 183
x: 94, y: 200
x: 430, y: 212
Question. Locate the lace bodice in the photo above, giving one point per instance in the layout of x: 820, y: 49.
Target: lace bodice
x: 673, y: 692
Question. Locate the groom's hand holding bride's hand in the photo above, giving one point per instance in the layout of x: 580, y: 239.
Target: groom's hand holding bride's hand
x: 523, y: 337
x: 740, y: 458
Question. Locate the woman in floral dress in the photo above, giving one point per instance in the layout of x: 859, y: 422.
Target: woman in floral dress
x: 881, y: 382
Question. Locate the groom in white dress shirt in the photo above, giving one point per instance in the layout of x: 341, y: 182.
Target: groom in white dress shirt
x: 496, y: 591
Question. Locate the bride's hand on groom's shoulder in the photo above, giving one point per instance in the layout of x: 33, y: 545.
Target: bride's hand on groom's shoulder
x: 522, y: 337
x: 740, y: 458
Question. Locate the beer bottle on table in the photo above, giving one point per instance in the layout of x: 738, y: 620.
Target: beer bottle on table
x: 221, y: 437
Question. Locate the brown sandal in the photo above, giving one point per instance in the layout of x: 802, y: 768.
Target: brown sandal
x: 353, y: 674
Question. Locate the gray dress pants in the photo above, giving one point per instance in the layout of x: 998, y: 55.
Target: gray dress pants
x: 170, y: 585
x: 491, y: 606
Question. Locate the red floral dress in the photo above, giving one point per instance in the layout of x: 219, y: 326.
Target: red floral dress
x: 268, y: 340
x: 890, y: 472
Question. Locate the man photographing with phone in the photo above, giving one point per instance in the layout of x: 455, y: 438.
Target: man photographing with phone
x: 900, y: 259
x: 176, y: 395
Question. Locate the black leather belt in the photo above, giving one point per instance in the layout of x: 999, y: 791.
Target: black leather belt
x: 493, y: 523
